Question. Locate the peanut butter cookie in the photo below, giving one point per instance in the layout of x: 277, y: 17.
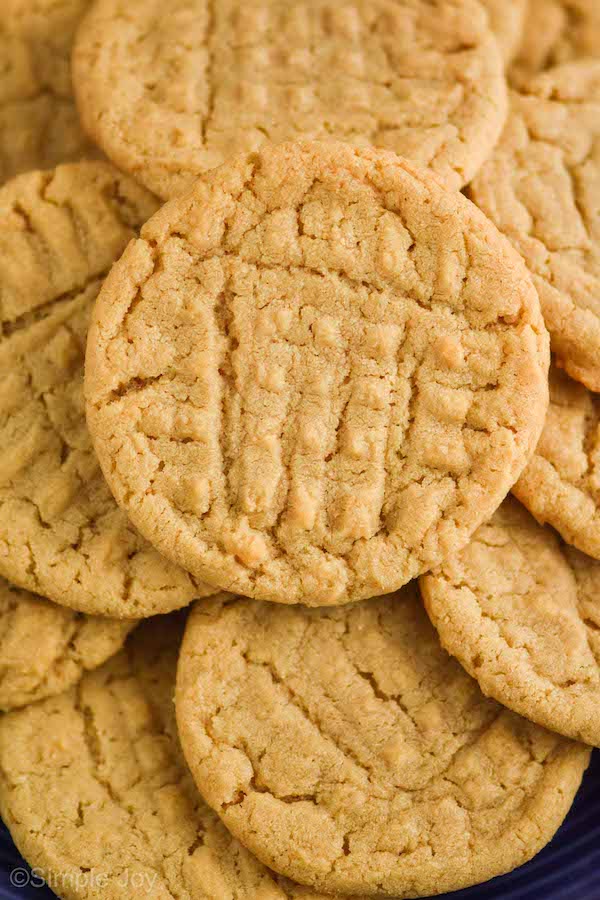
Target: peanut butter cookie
x: 561, y: 483
x: 61, y: 533
x: 45, y: 648
x: 507, y: 19
x: 542, y: 189
x: 555, y: 32
x: 347, y: 750
x: 315, y: 375
x: 97, y: 796
x: 39, y: 125
x: 524, y: 621
x: 171, y: 91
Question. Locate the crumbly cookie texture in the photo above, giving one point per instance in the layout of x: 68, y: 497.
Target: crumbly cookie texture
x: 404, y: 778
x: 315, y: 375
x: 561, y: 483
x: 170, y: 92
x: 96, y: 794
x: 524, y: 622
x: 542, y: 189
x: 556, y: 32
x: 39, y: 125
x: 61, y: 532
x: 507, y: 20
x: 46, y: 648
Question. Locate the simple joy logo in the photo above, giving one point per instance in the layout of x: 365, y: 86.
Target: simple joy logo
x: 137, y: 882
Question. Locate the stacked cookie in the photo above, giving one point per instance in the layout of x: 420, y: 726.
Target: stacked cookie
x: 267, y: 358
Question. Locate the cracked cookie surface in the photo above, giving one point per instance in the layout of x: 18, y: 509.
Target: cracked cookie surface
x: 561, y: 483
x: 541, y: 187
x: 404, y: 779
x: 97, y: 795
x: 315, y: 375
x: 507, y: 19
x: 46, y: 648
x: 61, y: 533
x: 171, y: 93
x: 39, y: 124
x: 556, y: 32
x: 521, y: 613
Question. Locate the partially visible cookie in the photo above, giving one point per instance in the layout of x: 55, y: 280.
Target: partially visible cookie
x: 39, y: 124
x: 507, y: 19
x: 541, y: 187
x: 171, y: 93
x: 524, y: 622
x: 561, y: 483
x: 97, y: 796
x: 404, y: 779
x: 61, y: 533
x: 316, y: 374
x: 555, y: 32
x: 46, y: 648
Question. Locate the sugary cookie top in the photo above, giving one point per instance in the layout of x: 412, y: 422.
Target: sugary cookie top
x: 541, y: 187
x: 171, y: 91
x: 39, y: 125
x: 315, y: 375
x: 45, y: 648
x: 524, y: 621
x: 95, y: 791
x: 404, y: 779
x: 561, y: 483
x: 61, y: 532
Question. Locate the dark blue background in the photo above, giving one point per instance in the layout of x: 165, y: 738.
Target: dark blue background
x: 568, y: 869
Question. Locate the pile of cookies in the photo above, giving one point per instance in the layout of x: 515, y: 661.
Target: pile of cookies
x: 280, y: 284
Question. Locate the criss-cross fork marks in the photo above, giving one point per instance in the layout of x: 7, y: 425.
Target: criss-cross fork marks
x: 390, y: 735
x: 311, y: 386
x: 424, y: 80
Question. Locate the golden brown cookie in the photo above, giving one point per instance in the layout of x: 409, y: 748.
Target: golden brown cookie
x: 561, y: 483
x: 524, y: 622
x: 507, y: 20
x: 555, y: 32
x: 61, y: 533
x: 97, y: 796
x: 170, y: 92
x: 315, y: 374
x: 46, y: 648
x: 542, y: 189
x: 39, y: 125
x: 347, y: 750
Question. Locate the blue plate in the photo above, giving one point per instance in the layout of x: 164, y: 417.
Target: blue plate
x: 568, y: 868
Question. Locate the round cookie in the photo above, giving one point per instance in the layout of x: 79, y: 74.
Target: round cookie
x: 556, y: 32
x: 97, y: 796
x: 61, y: 533
x: 46, y: 648
x: 170, y: 93
x: 507, y: 20
x: 315, y: 375
x: 561, y: 483
x: 541, y: 187
x: 39, y: 124
x: 404, y: 779
x: 524, y: 622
